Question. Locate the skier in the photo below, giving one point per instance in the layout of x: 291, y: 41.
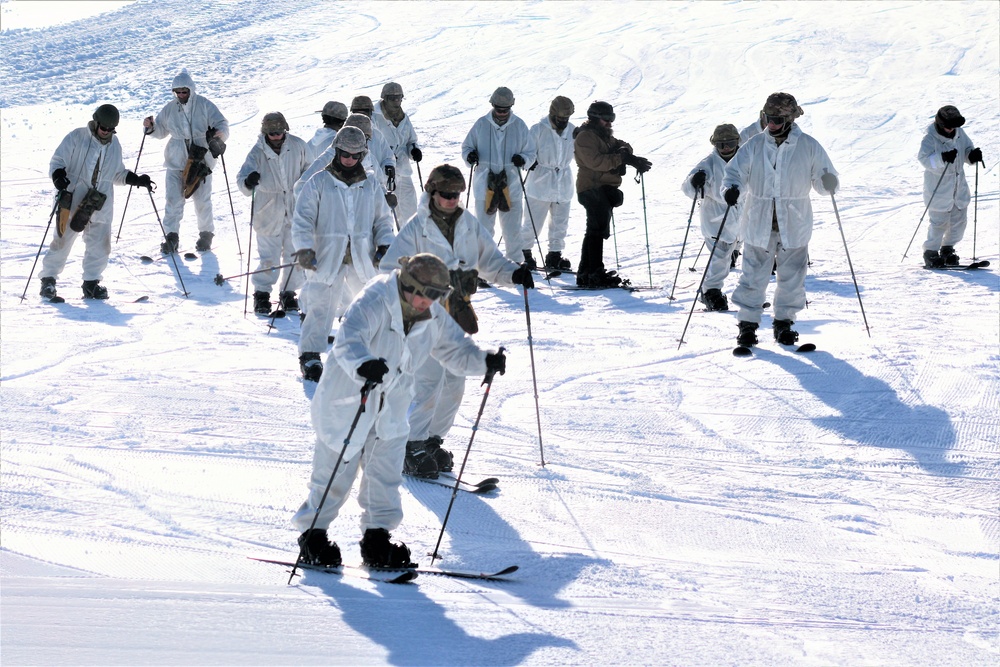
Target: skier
x: 393, y: 325
x: 704, y: 180
x: 270, y: 171
x: 384, y: 161
x: 601, y: 161
x: 395, y: 126
x: 548, y: 184
x: 339, y: 214
x: 776, y: 169
x: 497, y: 146
x: 333, y: 116
x: 198, y: 132
x: 943, y: 153
x: 753, y: 129
x: 84, y: 169
x: 443, y: 228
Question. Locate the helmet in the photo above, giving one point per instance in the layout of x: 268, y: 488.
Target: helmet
x: 425, y: 274
x: 601, y: 110
x: 445, y: 178
x: 561, y: 106
x: 391, y: 88
x: 502, y: 97
x: 360, y: 121
x: 725, y: 132
x: 273, y: 122
x: 949, y: 117
x: 350, y: 140
x: 784, y: 105
x: 335, y: 110
x: 106, y: 115
x: 362, y: 104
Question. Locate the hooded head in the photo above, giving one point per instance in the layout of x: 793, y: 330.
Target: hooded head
x: 948, y: 119
x: 560, y: 110
x: 183, y: 81
x: 601, y: 111
x: 726, y: 139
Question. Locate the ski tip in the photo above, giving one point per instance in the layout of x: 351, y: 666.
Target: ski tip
x: 742, y: 351
x: 146, y: 259
x: 767, y: 304
x: 484, y: 488
x: 403, y: 578
x: 57, y: 299
x: 142, y: 299
x: 190, y: 255
x: 277, y: 315
x: 806, y: 347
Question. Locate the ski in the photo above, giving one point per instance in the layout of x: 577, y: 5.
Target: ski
x: 389, y: 576
x: 627, y: 288
x: 745, y: 351
x: 982, y: 264
x: 468, y: 574
x: 486, y: 482
x: 59, y: 299
x: 476, y: 489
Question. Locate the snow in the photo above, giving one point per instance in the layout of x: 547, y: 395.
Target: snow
x: 836, y: 508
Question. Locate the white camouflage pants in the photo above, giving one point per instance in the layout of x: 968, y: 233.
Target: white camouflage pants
x: 202, y: 200
x: 275, y: 251
x: 437, y: 397
x: 718, y: 267
x: 322, y: 302
x: 790, y: 289
x: 96, y: 237
x: 946, y: 228
x: 406, y: 196
x: 510, y: 225
x: 540, y: 210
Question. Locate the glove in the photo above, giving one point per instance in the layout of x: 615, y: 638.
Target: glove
x: 380, y: 253
x: 416, y: 154
x: 496, y: 362
x: 390, y: 177
x: 373, y: 370
x: 306, y: 258
x: 139, y: 181
x: 472, y: 158
x: 147, y: 123
x: 698, y: 180
x: 215, y: 144
x: 640, y: 163
x: 533, y: 165
x: 949, y: 156
x: 252, y: 180
x: 517, y: 160
x: 732, y: 195
x: 976, y: 155
x: 830, y: 182
x: 391, y: 199
x: 522, y: 277
x: 59, y: 179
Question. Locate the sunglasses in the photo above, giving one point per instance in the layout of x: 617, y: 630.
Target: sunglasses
x: 182, y: 91
x: 428, y: 292
x: 105, y: 129
x: 774, y: 120
x: 279, y: 133
x: 501, y: 109
x: 448, y: 195
x: 353, y: 156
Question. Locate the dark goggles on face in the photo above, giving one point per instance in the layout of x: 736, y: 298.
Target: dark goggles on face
x: 448, y: 195
x: 353, y: 156
x: 278, y: 133
x: 105, y: 129
x: 774, y: 120
x: 728, y: 145
x: 428, y: 291
x: 393, y: 98
x: 501, y: 110
x: 182, y: 91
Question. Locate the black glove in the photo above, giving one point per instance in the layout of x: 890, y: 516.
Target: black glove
x: 732, y: 195
x: 139, y: 181
x: 533, y: 165
x: 472, y: 158
x: 522, y: 277
x: 698, y: 179
x: 391, y: 199
x: 215, y: 144
x: 640, y: 163
x: 306, y: 258
x: 496, y: 362
x: 976, y: 155
x: 59, y: 179
x: 830, y: 182
x: 517, y: 160
x: 380, y: 253
x: 949, y: 156
x: 373, y: 370
x: 416, y: 154
x: 390, y: 177
x: 252, y: 180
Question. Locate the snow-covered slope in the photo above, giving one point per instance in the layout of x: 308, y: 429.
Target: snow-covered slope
x: 695, y: 508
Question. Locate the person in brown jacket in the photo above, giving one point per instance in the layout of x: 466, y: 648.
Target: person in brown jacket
x: 601, y: 162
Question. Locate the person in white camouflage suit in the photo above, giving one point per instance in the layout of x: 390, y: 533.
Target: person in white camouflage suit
x: 396, y: 128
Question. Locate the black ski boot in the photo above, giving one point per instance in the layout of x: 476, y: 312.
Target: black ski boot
x: 311, y: 366
x: 933, y: 259
x: 529, y: 260
x: 48, y: 290
x: 315, y: 548
x: 732, y: 261
x: 715, y: 300
x: 748, y: 334
x: 262, y: 302
x: 556, y: 262
x: 445, y: 461
x: 92, y: 289
x: 170, y: 244
x: 204, y: 241
x: 783, y: 332
x: 378, y: 551
x: 419, y: 462
x: 949, y: 255
x: 288, y: 302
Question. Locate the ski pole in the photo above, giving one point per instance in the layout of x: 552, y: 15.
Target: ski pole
x: 129, y: 195
x: 849, y: 264
x: 173, y: 255
x: 708, y: 264
x: 488, y: 382
x: 420, y: 178
x: 232, y: 208
x: 614, y: 236
x: 40, y: 246
x: 975, y: 213
x: 645, y: 222
x: 534, y: 229
x: 219, y: 280
x: 680, y: 260
x: 246, y: 291
x: 534, y: 377
x: 694, y: 267
x: 926, y: 208
x: 347, y: 441
x: 468, y: 195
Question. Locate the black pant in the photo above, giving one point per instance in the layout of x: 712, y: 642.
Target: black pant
x: 595, y: 202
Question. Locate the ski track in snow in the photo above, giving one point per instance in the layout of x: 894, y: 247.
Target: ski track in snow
x: 838, y: 507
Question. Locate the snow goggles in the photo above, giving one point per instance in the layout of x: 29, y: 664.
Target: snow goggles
x: 105, y: 129
x: 448, y: 195
x: 427, y: 291
x: 728, y: 144
x: 501, y: 109
x: 775, y: 120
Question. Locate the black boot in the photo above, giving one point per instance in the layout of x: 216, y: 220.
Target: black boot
x: 378, y: 551
x: 556, y: 262
x: 949, y: 255
x: 93, y: 289
x: 445, y: 461
x: 932, y: 259
x: 170, y: 244
x: 311, y: 366
x: 204, y: 241
x: 529, y: 260
x: 783, y: 332
x: 288, y: 302
x: 419, y: 462
x: 262, y: 302
x: 748, y: 334
x: 715, y: 300
x: 48, y: 288
x: 315, y: 548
